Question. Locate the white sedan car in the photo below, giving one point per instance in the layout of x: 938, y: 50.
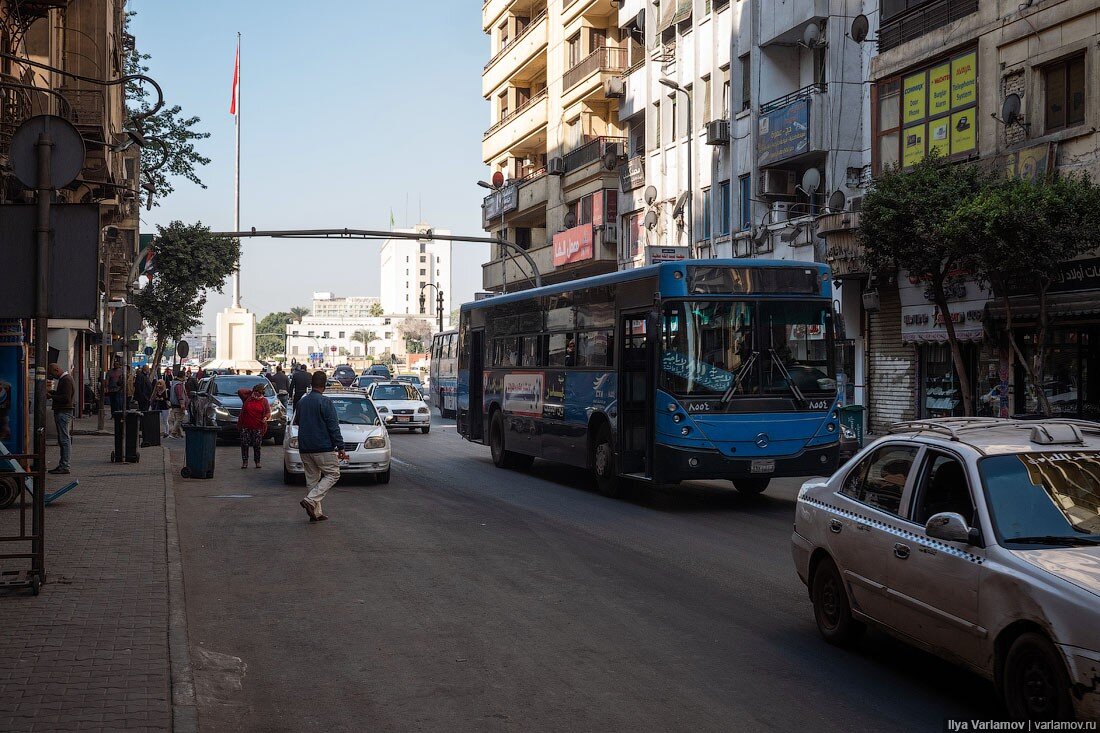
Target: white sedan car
x: 365, y: 440
x: 976, y: 539
x: 401, y: 405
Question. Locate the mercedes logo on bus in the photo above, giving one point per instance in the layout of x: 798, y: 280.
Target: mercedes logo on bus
x: 762, y: 440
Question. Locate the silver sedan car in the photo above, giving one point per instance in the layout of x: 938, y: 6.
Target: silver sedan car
x: 976, y: 539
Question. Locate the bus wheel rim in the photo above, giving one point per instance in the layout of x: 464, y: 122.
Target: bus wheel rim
x: 603, y: 450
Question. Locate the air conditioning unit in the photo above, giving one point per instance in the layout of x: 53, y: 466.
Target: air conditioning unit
x: 555, y: 167
x: 780, y: 212
x: 775, y: 182
x: 614, y: 88
x: 718, y: 132
x: 855, y: 203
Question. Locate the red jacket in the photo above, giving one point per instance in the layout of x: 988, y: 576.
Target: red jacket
x: 255, y: 411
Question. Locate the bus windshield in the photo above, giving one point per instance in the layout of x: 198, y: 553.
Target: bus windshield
x: 747, y: 348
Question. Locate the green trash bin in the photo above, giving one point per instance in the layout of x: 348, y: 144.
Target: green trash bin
x: 199, y: 444
x: 851, y: 417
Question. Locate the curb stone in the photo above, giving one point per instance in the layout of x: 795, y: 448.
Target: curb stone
x: 184, y: 707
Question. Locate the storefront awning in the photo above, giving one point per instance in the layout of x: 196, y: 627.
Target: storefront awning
x: 1059, y: 305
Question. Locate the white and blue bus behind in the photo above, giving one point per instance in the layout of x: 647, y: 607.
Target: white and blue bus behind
x: 700, y: 369
x: 443, y: 377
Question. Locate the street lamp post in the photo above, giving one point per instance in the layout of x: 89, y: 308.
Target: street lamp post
x: 439, y: 301
x: 691, y: 154
x: 497, y: 187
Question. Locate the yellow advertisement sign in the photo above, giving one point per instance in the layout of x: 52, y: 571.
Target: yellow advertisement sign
x: 939, y: 136
x: 964, y: 79
x: 939, y: 90
x: 913, y: 96
x: 963, y: 131
x: 912, y: 145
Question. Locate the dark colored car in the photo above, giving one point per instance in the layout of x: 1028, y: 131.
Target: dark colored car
x: 223, y: 405
x: 414, y: 380
x: 367, y: 380
x: 343, y: 374
x: 379, y: 369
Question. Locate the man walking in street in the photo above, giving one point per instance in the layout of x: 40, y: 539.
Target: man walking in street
x: 178, y: 399
x: 143, y: 387
x: 299, y: 382
x: 63, y: 396
x: 320, y: 444
x: 115, y: 388
x: 281, y: 383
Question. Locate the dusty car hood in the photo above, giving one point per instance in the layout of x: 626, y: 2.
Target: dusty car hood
x: 400, y: 404
x: 351, y: 433
x: 1077, y: 565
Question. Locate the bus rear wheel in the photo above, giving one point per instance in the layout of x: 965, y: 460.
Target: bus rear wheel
x: 751, y: 486
x: 503, y: 458
x: 603, y: 463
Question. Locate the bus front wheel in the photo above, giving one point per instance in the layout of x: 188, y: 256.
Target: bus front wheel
x: 603, y: 463
x: 503, y: 458
x: 751, y: 486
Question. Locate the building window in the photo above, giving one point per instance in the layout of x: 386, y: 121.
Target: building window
x: 744, y: 191
x: 889, y: 123
x: 574, y: 49
x: 325, y: 335
x: 293, y: 333
x: 746, y: 81
x: 674, y: 127
x: 310, y: 333
x: 723, y: 209
x: 342, y: 334
x: 503, y: 28
x: 706, y: 7
x: 502, y: 105
x: 656, y: 125
x: 1065, y: 93
x: 706, y: 101
x: 423, y: 272
x: 706, y: 213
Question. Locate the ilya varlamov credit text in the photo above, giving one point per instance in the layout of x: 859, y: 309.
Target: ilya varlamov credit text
x: 1026, y: 725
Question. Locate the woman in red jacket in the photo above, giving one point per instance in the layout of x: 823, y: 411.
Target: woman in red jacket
x: 252, y: 422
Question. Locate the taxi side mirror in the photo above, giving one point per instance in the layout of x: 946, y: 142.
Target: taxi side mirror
x: 948, y: 526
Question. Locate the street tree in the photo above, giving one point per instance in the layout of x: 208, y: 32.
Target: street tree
x: 904, y: 225
x: 189, y: 262
x: 376, y: 310
x: 175, y: 132
x: 416, y: 333
x: 364, y: 336
x: 268, y: 344
x: 298, y: 313
x: 1022, y: 232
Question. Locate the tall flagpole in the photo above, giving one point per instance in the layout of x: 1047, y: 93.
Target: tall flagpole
x: 237, y: 174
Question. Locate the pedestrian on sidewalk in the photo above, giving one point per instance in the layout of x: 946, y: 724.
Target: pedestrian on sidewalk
x: 192, y: 383
x: 143, y: 387
x: 281, y: 382
x: 252, y: 422
x: 114, y: 388
x: 320, y: 444
x: 158, y: 401
x: 299, y: 384
x: 63, y: 396
x: 178, y: 399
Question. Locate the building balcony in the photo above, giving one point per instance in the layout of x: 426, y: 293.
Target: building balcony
x: 594, y: 8
x: 843, y: 250
x: 601, y: 258
x: 520, y: 128
x: 785, y: 22
x: 927, y: 17
x: 793, y: 126
x: 518, y: 198
x: 635, y: 91
x: 587, y: 76
x: 515, y: 58
x: 491, y: 10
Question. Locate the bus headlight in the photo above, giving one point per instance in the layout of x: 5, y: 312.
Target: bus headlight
x: 677, y: 417
x: 672, y: 407
x: 831, y: 427
x: 685, y: 430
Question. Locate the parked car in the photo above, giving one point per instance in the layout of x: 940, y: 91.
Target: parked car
x: 414, y: 380
x: 379, y: 369
x: 400, y: 406
x: 366, y: 380
x: 977, y: 539
x: 223, y: 405
x: 365, y: 440
x: 344, y: 374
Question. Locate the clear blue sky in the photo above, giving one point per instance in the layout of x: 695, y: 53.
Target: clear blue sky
x: 348, y: 108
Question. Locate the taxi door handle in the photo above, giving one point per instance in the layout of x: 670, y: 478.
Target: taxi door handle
x: 901, y: 551
x: 835, y: 526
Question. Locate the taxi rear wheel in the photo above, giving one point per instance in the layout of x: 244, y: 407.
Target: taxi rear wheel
x: 832, y: 611
x: 1034, y: 681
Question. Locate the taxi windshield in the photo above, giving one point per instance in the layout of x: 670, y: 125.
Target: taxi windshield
x: 354, y: 411
x: 394, y: 392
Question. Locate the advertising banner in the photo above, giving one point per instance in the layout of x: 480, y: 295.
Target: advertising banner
x: 939, y: 90
x: 632, y: 174
x: 915, y: 94
x: 523, y: 393
x: 920, y: 319
x: 939, y: 136
x: 963, y: 133
x: 784, y: 132
x: 655, y: 254
x: 964, y: 79
x: 573, y: 245
x: 13, y: 392
x: 913, y: 145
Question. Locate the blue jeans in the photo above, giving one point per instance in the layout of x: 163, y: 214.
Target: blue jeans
x: 64, y: 421
x: 114, y: 399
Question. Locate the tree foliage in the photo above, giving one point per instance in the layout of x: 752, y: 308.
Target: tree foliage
x: 268, y: 345
x: 298, y: 313
x: 176, y: 132
x: 189, y: 262
x: 416, y: 333
x: 376, y: 310
x: 904, y: 224
x: 364, y: 336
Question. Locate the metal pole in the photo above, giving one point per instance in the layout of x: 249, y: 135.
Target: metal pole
x: 125, y: 371
x: 237, y: 177
x: 439, y: 296
x: 105, y: 342
x: 691, y: 178
x: 503, y: 260
x: 44, y: 148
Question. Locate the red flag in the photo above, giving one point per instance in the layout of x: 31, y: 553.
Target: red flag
x: 236, y: 81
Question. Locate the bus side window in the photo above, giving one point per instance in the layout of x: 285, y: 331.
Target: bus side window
x: 529, y: 357
x: 562, y: 349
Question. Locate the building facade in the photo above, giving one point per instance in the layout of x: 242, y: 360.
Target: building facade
x: 410, y: 268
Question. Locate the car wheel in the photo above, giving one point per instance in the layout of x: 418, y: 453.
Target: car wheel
x: 384, y: 477
x: 832, y: 611
x: 603, y: 463
x: 426, y: 429
x: 751, y: 486
x: 1034, y: 681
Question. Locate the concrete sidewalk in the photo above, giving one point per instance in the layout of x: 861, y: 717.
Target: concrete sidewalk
x: 95, y: 650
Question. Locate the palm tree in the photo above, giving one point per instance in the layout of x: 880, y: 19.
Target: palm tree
x: 376, y: 310
x: 364, y: 337
x: 298, y: 312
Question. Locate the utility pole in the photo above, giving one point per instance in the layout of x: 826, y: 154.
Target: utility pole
x: 43, y: 232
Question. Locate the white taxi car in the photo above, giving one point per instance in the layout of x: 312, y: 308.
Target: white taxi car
x: 365, y: 439
x: 977, y: 539
x: 401, y: 405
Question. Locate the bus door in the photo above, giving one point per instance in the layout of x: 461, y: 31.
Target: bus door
x: 637, y: 339
x: 477, y: 384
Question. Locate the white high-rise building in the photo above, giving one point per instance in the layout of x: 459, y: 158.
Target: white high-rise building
x: 408, y: 268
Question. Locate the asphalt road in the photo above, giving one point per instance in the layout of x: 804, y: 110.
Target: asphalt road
x: 464, y: 597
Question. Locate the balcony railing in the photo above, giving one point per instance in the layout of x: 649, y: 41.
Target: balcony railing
x: 515, y: 113
x: 602, y: 59
x: 803, y: 93
x: 88, y: 106
x: 589, y: 152
x: 514, y: 41
x: 922, y: 19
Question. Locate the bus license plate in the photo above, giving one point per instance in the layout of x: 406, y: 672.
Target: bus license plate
x: 762, y: 465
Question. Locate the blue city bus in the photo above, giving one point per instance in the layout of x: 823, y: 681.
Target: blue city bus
x: 443, y: 377
x: 698, y: 369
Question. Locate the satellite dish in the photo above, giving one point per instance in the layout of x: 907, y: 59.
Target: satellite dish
x: 811, y: 35
x: 611, y: 160
x: 681, y: 202
x: 811, y: 180
x: 570, y: 220
x: 639, y: 20
x: 837, y: 200
x: 860, y: 28
x: 650, y: 220
x: 498, y: 179
x: 66, y: 158
x: 1010, y: 110
x: 650, y: 195
x: 183, y: 349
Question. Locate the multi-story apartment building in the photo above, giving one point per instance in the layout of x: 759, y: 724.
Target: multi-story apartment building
x: 409, y: 267
x: 552, y: 124
x: 328, y: 305
x: 1012, y: 86
x: 86, y: 38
